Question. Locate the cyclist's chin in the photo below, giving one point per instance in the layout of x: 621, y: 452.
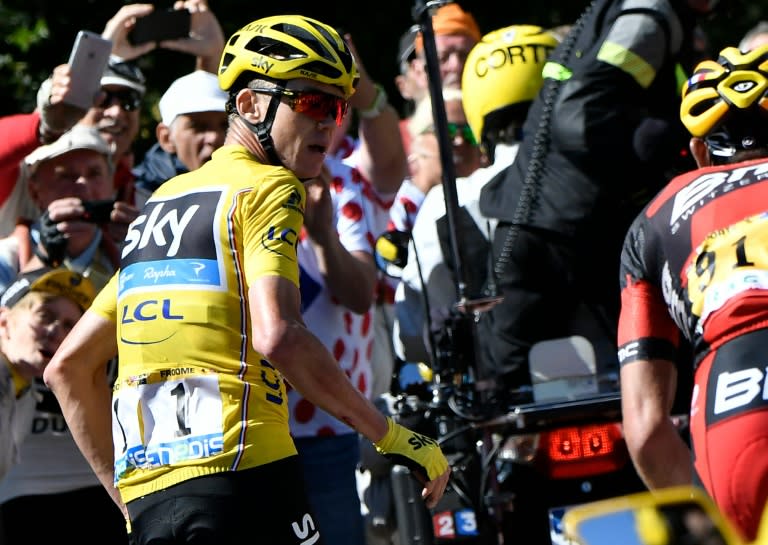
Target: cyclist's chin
x: 307, y: 166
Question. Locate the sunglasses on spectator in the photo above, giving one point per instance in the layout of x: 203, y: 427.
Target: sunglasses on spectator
x: 314, y: 104
x: 464, y: 130
x: 128, y: 99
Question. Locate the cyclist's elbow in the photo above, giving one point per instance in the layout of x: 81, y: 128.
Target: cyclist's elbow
x: 279, y: 341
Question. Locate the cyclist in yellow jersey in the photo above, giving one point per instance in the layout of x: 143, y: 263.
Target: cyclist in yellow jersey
x: 204, y: 313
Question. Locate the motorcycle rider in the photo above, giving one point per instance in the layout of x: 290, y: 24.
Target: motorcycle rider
x: 694, y: 264
x: 601, y: 132
x: 501, y: 77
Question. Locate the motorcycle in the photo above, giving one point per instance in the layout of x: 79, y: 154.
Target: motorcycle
x: 515, y: 474
x: 521, y: 459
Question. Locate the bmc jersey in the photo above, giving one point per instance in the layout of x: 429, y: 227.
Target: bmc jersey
x: 696, y: 260
x: 192, y: 396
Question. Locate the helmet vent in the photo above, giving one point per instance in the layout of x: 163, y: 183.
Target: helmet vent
x: 344, y: 55
x: 274, y: 49
x: 307, y: 38
x: 322, y: 69
x: 225, y: 61
x: 702, y: 107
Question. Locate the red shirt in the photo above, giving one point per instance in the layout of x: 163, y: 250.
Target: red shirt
x: 18, y: 138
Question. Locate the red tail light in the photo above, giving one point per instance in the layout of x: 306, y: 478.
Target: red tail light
x: 584, y: 450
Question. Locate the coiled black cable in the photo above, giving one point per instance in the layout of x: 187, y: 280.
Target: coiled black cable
x: 541, y: 143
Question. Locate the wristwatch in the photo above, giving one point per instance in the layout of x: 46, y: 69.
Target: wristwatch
x: 379, y: 103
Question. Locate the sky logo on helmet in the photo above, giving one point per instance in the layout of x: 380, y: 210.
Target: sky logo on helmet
x: 262, y: 63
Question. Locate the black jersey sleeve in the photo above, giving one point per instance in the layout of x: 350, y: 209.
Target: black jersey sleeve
x: 646, y: 329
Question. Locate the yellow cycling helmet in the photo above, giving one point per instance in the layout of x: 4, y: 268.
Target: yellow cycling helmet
x: 725, y: 101
x: 502, y: 75
x: 285, y: 47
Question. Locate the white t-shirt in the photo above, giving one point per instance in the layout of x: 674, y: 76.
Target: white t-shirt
x: 49, y: 460
x: 410, y: 316
x: 16, y: 415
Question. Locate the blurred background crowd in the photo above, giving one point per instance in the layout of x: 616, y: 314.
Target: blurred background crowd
x: 39, y: 34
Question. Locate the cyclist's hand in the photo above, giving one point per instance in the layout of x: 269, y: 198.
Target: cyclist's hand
x: 421, y: 454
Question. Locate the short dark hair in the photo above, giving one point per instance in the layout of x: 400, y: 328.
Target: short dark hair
x: 246, y: 80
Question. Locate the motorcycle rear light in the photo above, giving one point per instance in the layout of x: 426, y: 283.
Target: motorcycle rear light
x: 519, y: 448
x: 583, y: 450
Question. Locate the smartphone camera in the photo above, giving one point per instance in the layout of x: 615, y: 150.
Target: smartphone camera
x: 159, y: 26
x: 98, y: 211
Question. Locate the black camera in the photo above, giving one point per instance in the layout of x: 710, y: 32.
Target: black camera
x: 98, y: 211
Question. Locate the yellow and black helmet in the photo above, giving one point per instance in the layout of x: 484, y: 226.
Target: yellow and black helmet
x: 285, y: 47
x: 502, y: 74
x: 728, y: 98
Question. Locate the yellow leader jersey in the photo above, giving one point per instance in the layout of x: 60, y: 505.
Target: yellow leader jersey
x: 192, y: 396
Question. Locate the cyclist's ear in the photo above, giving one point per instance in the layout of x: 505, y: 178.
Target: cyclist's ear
x: 249, y: 106
x: 700, y: 152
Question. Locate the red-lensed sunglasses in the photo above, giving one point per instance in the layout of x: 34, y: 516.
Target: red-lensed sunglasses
x: 314, y: 104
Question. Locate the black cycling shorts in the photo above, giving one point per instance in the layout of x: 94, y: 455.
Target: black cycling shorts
x: 267, y: 504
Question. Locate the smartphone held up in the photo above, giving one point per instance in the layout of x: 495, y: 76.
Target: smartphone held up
x: 87, y: 61
x: 161, y: 25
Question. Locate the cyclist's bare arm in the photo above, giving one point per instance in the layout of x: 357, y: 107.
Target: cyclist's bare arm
x: 279, y: 334
x: 647, y: 393
x: 77, y: 375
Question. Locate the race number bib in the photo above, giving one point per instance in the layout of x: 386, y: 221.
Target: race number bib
x: 167, y: 422
x: 728, y: 262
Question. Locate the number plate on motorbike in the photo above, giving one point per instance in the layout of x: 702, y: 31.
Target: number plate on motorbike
x: 454, y: 525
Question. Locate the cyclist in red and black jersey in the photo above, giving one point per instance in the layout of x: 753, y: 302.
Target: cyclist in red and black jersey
x: 695, y: 263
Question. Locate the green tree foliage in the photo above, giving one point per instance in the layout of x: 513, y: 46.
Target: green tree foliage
x: 38, y: 34
x: 22, y: 32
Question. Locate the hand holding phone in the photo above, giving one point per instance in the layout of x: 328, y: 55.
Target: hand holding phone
x: 159, y: 26
x: 87, y: 62
x: 98, y: 211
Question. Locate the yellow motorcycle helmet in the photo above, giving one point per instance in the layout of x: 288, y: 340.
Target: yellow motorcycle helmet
x: 503, y: 71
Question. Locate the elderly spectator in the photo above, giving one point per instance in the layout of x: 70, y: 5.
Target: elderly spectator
x: 36, y: 313
x: 193, y: 123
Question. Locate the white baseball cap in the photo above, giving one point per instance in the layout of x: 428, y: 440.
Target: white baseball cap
x: 195, y: 92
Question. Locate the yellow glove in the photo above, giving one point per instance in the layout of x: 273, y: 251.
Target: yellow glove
x: 419, y: 453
